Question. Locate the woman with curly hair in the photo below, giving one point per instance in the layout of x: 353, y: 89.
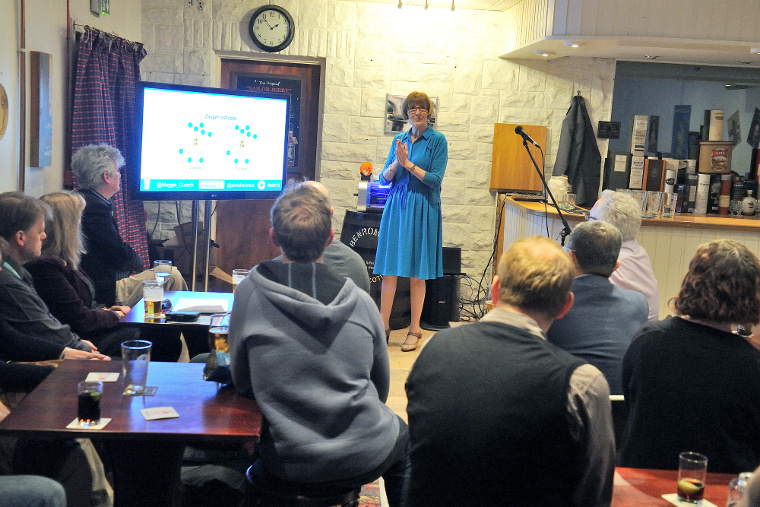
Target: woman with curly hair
x: 691, y: 382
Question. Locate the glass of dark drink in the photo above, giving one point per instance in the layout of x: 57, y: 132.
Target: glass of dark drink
x: 88, y: 395
x: 692, y: 475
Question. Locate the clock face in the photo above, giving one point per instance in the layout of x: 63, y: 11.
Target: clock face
x: 271, y: 28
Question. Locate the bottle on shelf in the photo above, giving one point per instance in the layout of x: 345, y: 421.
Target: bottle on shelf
x: 749, y: 204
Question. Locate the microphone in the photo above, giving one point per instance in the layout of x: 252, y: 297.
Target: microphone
x: 519, y: 131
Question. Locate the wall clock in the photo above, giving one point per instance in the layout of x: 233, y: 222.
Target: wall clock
x: 271, y: 28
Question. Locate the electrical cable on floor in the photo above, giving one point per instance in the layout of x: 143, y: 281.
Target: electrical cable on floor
x: 473, y: 307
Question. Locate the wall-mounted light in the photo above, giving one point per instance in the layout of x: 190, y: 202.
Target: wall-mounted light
x: 426, y: 4
x: 400, y: 5
x: 452, y: 6
x: 543, y: 53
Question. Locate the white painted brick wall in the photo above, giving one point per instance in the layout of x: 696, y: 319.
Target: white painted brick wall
x: 372, y: 49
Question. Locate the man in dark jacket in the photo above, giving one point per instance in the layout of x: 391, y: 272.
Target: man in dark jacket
x: 497, y: 413
x: 109, y: 260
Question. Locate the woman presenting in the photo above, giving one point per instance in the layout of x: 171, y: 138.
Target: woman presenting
x: 410, y: 240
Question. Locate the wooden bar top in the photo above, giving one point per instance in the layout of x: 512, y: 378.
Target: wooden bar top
x: 681, y: 220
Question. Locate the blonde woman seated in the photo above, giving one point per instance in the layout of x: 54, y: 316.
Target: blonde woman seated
x: 66, y: 289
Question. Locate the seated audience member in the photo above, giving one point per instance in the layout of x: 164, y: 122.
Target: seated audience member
x: 30, y: 490
x: 109, y: 260
x: 690, y: 383
x: 23, y: 227
x: 603, y: 319
x: 309, y: 345
x: 339, y: 256
x: 497, y: 414
x: 65, y: 288
x: 635, y: 271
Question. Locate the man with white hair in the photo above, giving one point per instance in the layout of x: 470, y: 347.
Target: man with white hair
x: 635, y: 271
x: 109, y: 260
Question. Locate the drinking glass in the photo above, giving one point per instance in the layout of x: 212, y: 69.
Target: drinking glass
x: 669, y: 205
x: 692, y: 475
x: 88, y: 403
x: 153, y: 294
x: 218, y: 330
x: 162, y: 268
x: 653, y: 204
x: 238, y: 275
x: 641, y: 198
x: 135, y: 357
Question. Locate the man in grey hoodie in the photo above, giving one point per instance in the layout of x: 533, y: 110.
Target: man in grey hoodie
x: 309, y: 345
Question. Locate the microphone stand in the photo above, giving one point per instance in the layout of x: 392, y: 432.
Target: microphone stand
x: 565, y: 232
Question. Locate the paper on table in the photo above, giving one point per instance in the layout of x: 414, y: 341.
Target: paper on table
x: 201, y: 305
x: 154, y: 413
x: 673, y: 498
x: 96, y: 376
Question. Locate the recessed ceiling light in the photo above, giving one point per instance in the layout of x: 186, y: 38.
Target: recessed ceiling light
x: 541, y: 52
x: 572, y: 44
x: 755, y: 50
x: 744, y: 62
x: 651, y: 57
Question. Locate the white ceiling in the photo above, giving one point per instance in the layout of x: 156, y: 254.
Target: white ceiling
x: 626, y: 49
x: 480, y: 5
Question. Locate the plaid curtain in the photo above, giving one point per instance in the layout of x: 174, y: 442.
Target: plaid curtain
x: 103, y: 111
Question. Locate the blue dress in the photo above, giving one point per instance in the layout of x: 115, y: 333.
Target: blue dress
x: 410, y: 241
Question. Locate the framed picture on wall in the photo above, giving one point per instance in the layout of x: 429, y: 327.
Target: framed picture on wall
x: 394, y: 116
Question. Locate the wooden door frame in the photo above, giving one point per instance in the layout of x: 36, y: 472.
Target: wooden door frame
x: 267, y: 58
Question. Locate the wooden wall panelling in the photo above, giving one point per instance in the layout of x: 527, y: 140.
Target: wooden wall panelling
x: 511, y: 167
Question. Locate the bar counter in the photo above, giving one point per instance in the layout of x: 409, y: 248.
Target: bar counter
x: 670, y: 242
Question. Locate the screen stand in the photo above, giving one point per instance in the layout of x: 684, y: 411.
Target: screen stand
x: 195, y: 244
x: 206, y: 237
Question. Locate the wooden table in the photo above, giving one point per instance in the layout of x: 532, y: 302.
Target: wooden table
x: 635, y: 487
x: 195, y: 332
x: 136, y: 316
x: 146, y: 455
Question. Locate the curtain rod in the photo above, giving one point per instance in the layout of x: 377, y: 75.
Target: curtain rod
x: 80, y: 27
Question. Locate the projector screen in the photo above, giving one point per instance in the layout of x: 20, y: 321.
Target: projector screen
x: 208, y: 143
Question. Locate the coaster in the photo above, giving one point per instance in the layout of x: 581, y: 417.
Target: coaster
x: 149, y: 391
x: 97, y: 376
x: 76, y: 425
x: 151, y: 414
x: 673, y: 498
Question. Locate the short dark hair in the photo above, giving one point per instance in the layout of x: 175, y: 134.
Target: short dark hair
x: 596, y: 246
x: 417, y: 99
x: 722, y: 284
x: 20, y: 212
x: 301, y: 219
x: 536, y: 275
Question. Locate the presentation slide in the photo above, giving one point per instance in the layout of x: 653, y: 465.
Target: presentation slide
x: 199, y: 141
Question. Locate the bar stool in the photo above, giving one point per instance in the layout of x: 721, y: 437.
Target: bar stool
x: 267, y: 495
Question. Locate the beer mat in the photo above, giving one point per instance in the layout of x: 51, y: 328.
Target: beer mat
x: 149, y: 391
x: 203, y: 305
x: 99, y: 376
x: 151, y: 414
x: 76, y: 425
x: 673, y: 498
